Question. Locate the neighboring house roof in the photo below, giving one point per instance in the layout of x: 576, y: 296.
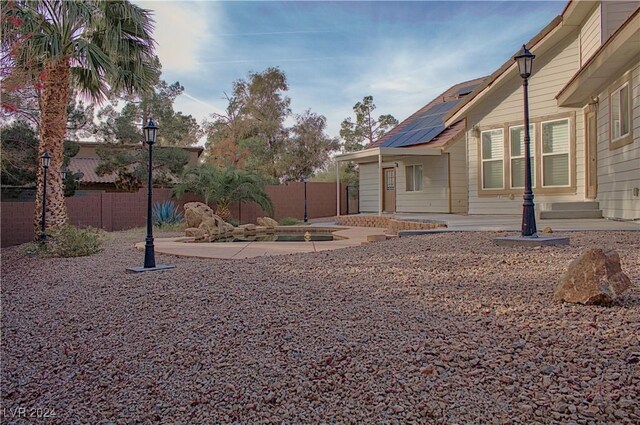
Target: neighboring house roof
x: 87, y: 166
x: 427, y: 124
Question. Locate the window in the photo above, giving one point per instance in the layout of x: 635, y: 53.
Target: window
x: 493, y: 159
x: 516, y: 143
x: 390, y: 179
x: 620, y: 118
x: 555, y: 153
x: 414, y: 178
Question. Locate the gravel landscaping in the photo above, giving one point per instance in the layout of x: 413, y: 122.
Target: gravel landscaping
x: 443, y: 328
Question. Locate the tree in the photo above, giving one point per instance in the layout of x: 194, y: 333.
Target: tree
x: 251, y: 134
x: 366, y: 129
x: 308, y: 147
x: 130, y: 163
x: 20, y: 161
x: 224, y: 186
x: 94, y: 46
x: 177, y: 129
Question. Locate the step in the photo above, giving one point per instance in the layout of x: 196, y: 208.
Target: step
x: 573, y: 206
x: 569, y: 214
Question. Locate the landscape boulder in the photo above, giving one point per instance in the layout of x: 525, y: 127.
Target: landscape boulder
x: 593, y: 278
x: 202, y: 222
x: 267, y: 222
x: 194, y: 232
x: 195, y: 212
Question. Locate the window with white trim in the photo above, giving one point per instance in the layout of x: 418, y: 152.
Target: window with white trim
x: 492, y: 155
x: 555, y: 153
x: 413, y: 178
x: 620, y: 117
x: 516, y: 146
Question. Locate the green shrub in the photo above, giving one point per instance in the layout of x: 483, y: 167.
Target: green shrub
x: 70, y: 241
x: 234, y: 222
x: 288, y: 221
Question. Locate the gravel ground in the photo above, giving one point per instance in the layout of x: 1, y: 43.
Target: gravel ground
x: 444, y: 328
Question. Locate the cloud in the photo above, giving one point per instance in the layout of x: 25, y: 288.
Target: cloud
x: 181, y: 31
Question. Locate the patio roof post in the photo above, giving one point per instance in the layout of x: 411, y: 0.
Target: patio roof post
x: 381, y: 182
x: 337, y: 188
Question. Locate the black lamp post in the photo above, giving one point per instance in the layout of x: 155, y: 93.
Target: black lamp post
x: 150, y: 133
x: 63, y: 173
x: 46, y: 161
x: 305, y: 200
x: 525, y: 65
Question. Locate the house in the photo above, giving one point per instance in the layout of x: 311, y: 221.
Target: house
x: 420, y: 165
x: 584, y: 105
x: 86, y: 161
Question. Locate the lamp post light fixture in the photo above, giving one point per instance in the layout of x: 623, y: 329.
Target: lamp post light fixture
x: 63, y: 174
x: 46, y: 161
x: 150, y: 132
x: 525, y: 65
x: 306, y: 219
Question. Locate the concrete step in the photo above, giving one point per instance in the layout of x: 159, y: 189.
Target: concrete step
x: 573, y: 206
x: 570, y: 214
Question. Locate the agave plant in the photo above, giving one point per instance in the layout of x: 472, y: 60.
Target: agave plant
x: 166, y: 212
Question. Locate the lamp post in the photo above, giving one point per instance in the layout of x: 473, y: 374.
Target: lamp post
x: 63, y: 174
x: 150, y: 132
x: 525, y: 64
x: 305, y: 200
x: 46, y: 161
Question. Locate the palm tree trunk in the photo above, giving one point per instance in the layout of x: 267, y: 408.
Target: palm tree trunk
x: 222, y: 211
x: 53, y: 126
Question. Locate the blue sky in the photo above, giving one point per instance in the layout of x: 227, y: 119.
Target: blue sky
x: 335, y: 53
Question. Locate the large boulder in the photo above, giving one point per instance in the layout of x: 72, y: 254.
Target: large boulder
x: 593, y: 278
x: 202, y: 222
x: 195, y: 212
x: 267, y: 222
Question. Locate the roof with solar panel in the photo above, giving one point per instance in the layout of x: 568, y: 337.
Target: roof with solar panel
x: 426, y: 126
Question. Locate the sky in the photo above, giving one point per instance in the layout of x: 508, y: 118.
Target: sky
x: 403, y: 54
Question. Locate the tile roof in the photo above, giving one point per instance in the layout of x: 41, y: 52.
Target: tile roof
x: 87, y: 166
x: 427, y: 124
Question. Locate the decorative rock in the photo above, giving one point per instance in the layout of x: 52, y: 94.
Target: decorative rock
x: 547, y: 230
x: 195, y: 212
x: 200, y: 217
x: 266, y: 222
x: 248, y: 227
x: 195, y: 233
x: 594, y: 278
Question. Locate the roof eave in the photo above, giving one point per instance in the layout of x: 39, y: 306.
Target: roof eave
x: 612, y: 57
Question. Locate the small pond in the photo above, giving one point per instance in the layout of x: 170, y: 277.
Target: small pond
x: 277, y: 237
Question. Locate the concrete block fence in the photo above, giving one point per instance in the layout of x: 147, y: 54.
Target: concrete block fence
x: 113, y: 211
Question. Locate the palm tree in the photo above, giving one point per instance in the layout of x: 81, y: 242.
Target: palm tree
x: 224, y: 186
x: 94, y: 46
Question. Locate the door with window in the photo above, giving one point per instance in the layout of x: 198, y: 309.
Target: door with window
x: 389, y: 182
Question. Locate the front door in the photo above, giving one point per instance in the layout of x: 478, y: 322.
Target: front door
x: 389, y: 204
x: 591, y: 155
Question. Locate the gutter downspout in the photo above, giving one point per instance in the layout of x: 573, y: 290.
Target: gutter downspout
x: 381, y: 182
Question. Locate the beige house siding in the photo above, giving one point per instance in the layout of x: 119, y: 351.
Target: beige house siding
x: 459, y: 177
x: 615, y: 13
x: 369, y: 186
x: 619, y: 169
x: 590, y: 36
x: 552, y: 70
x: 434, y: 196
